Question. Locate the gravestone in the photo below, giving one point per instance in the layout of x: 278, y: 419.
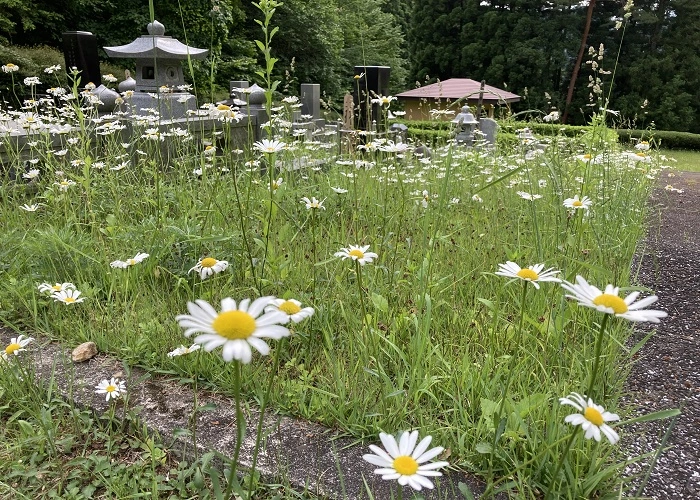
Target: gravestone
x: 80, y: 52
x: 373, y: 82
x: 489, y: 127
x: 311, y: 100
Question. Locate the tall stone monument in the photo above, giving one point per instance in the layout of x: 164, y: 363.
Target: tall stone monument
x: 160, y: 82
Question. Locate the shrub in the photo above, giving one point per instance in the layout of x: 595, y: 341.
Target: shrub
x: 662, y: 138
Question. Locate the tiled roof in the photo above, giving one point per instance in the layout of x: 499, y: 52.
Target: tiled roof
x: 457, y: 88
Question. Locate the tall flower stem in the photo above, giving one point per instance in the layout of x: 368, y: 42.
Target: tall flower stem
x: 261, y: 418
x: 596, y: 362
x: 241, y: 218
x: 313, y: 249
x: 563, y: 458
x: 240, y: 429
x: 195, y: 408
x: 358, y: 270
x: 497, y: 415
x: 268, y: 224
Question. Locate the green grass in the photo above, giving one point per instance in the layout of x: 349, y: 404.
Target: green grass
x: 54, y: 449
x: 424, y: 337
x: 686, y: 161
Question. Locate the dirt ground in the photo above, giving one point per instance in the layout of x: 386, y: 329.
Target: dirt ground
x: 667, y: 372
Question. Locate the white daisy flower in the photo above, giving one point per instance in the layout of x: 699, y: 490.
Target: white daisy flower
x: 268, y: 146
x: 532, y: 274
x: 339, y: 190
x: 237, y: 327
x: 16, y: 345
x: 123, y: 264
x: 58, y: 287
x: 642, y: 146
x: 576, y: 204
x: 357, y: 253
x: 592, y: 417
x: 383, y: 100
x: 292, y: 308
x: 402, y: 461
x: 275, y: 185
x: 182, y: 350
x: 32, y: 174
x: 30, y: 208
x: 64, y: 185
x: 209, y: 266
x: 113, y: 388
x: 609, y: 302
x: 313, y: 203
x: 68, y: 297
x: 527, y: 196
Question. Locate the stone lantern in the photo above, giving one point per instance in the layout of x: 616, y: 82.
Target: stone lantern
x: 159, y: 72
x: 465, y: 124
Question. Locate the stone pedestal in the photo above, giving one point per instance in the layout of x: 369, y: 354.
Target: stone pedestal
x: 311, y: 100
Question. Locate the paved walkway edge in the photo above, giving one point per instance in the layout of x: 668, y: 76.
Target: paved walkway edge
x: 308, y: 456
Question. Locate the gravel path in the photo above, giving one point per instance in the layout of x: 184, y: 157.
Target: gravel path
x: 667, y: 372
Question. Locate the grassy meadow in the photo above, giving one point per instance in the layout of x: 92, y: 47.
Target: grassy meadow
x: 396, y: 251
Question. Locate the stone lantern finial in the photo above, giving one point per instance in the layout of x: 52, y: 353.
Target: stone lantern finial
x: 155, y: 28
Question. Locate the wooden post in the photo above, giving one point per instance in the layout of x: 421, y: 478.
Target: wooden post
x: 479, y: 104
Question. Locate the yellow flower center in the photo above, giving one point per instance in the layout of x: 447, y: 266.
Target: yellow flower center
x: 69, y: 300
x: 528, y: 274
x: 586, y: 157
x: 209, y: 262
x: 131, y: 262
x: 357, y: 253
x: 110, y: 388
x: 405, y: 465
x: 612, y: 302
x: 643, y: 155
x: 57, y: 288
x: 234, y: 325
x: 223, y: 107
x: 289, y: 307
x: 577, y: 203
x: 593, y: 416
x: 65, y: 183
x: 12, y: 348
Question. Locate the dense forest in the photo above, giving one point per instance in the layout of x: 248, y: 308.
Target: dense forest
x: 531, y: 47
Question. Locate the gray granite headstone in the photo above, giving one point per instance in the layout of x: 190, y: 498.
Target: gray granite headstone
x: 490, y: 128
x: 311, y: 100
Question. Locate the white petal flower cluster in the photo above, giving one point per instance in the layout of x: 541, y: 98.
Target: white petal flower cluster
x: 112, y: 389
x: 236, y: 328
x: 407, y: 462
x: 123, y: 264
x: 592, y: 417
x: 609, y: 301
x: 533, y: 274
x: 208, y: 266
x: 16, y: 345
x: 357, y: 253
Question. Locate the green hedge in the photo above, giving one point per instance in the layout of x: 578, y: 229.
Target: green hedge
x: 430, y: 130
x: 428, y: 136
x: 662, y: 138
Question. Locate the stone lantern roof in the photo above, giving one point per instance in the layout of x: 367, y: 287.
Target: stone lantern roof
x: 160, y: 82
x: 156, y: 45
